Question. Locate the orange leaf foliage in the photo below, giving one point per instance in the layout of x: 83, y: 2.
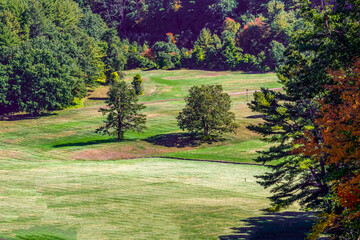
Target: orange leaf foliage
x: 177, y: 5
x: 171, y: 36
x: 148, y: 54
x: 257, y: 22
x: 339, y: 126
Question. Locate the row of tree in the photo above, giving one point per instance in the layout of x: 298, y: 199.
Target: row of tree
x: 314, y: 124
x: 149, y: 20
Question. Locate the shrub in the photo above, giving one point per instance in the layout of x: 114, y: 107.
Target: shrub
x: 137, y: 84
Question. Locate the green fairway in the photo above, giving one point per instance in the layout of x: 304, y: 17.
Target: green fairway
x: 60, y: 180
x: 69, y: 134
x: 128, y: 199
x: 163, y: 84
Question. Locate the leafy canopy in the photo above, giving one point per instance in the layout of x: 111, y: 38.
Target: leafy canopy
x: 339, y: 125
x: 207, y: 112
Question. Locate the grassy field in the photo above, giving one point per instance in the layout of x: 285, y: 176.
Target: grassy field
x: 69, y: 134
x: 60, y: 180
x: 134, y: 199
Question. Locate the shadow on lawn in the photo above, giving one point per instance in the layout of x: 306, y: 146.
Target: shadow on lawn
x: 95, y: 98
x: 256, y: 116
x: 179, y: 140
x: 91, y: 142
x: 24, y: 116
x: 278, y: 226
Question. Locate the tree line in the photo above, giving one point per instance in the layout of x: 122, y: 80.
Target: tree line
x: 216, y: 34
x: 52, y: 50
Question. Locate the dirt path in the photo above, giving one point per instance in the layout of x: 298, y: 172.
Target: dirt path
x: 179, y: 99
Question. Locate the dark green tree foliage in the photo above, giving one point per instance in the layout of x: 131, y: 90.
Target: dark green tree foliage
x: 137, y: 84
x: 329, y: 41
x: 93, y: 25
x: 293, y: 178
x: 122, y: 111
x: 116, y: 58
x: 166, y: 54
x: 39, y: 77
x: 207, y: 112
x: 136, y: 56
x: 207, y: 50
x: 147, y: 21
x: 48, y: 54
x: 223, y: 8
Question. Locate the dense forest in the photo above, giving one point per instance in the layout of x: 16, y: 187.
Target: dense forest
x: 62, y: 46
x: 217, y: 34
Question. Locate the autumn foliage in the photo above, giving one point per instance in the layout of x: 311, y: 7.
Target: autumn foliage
x: 171, y: 37
x: 231, y: 25
x: 257, y: 22
x: 338, y: 143
x: 148, y: 53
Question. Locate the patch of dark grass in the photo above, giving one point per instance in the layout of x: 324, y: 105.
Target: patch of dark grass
x: 25, y: 116
x: 180, y: 140
x: 87, y: 143
x: 256, y: 116
x: 95, y: 98
x: 46, y: 233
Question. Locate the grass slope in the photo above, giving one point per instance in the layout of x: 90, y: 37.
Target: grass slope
x: 69, y: 134
x: 55, y: 184
x: 129, y: 199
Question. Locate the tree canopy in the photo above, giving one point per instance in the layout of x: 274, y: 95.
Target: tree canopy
x: 49, y: 52
x: 207, y: 112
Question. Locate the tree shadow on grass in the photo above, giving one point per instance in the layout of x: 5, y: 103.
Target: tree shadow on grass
x: 179, y: 140
x: 256, y: 116
x: 278, y: 226
x: 95, y: 98
x: 24, y: 116
x: 87, y: 143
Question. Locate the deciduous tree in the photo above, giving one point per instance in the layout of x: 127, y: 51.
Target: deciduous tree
x: 338, y: 123
x: 207, y: 112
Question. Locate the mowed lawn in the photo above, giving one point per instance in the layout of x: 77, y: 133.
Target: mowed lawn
x: 60, y: 180
x: 129, y: 199
x: 137, y: 199
x: 69, y: 134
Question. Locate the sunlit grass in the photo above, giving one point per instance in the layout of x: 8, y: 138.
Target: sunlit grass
x: 128, y: 199
x: 59, y: 178
x: 69, y: 134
